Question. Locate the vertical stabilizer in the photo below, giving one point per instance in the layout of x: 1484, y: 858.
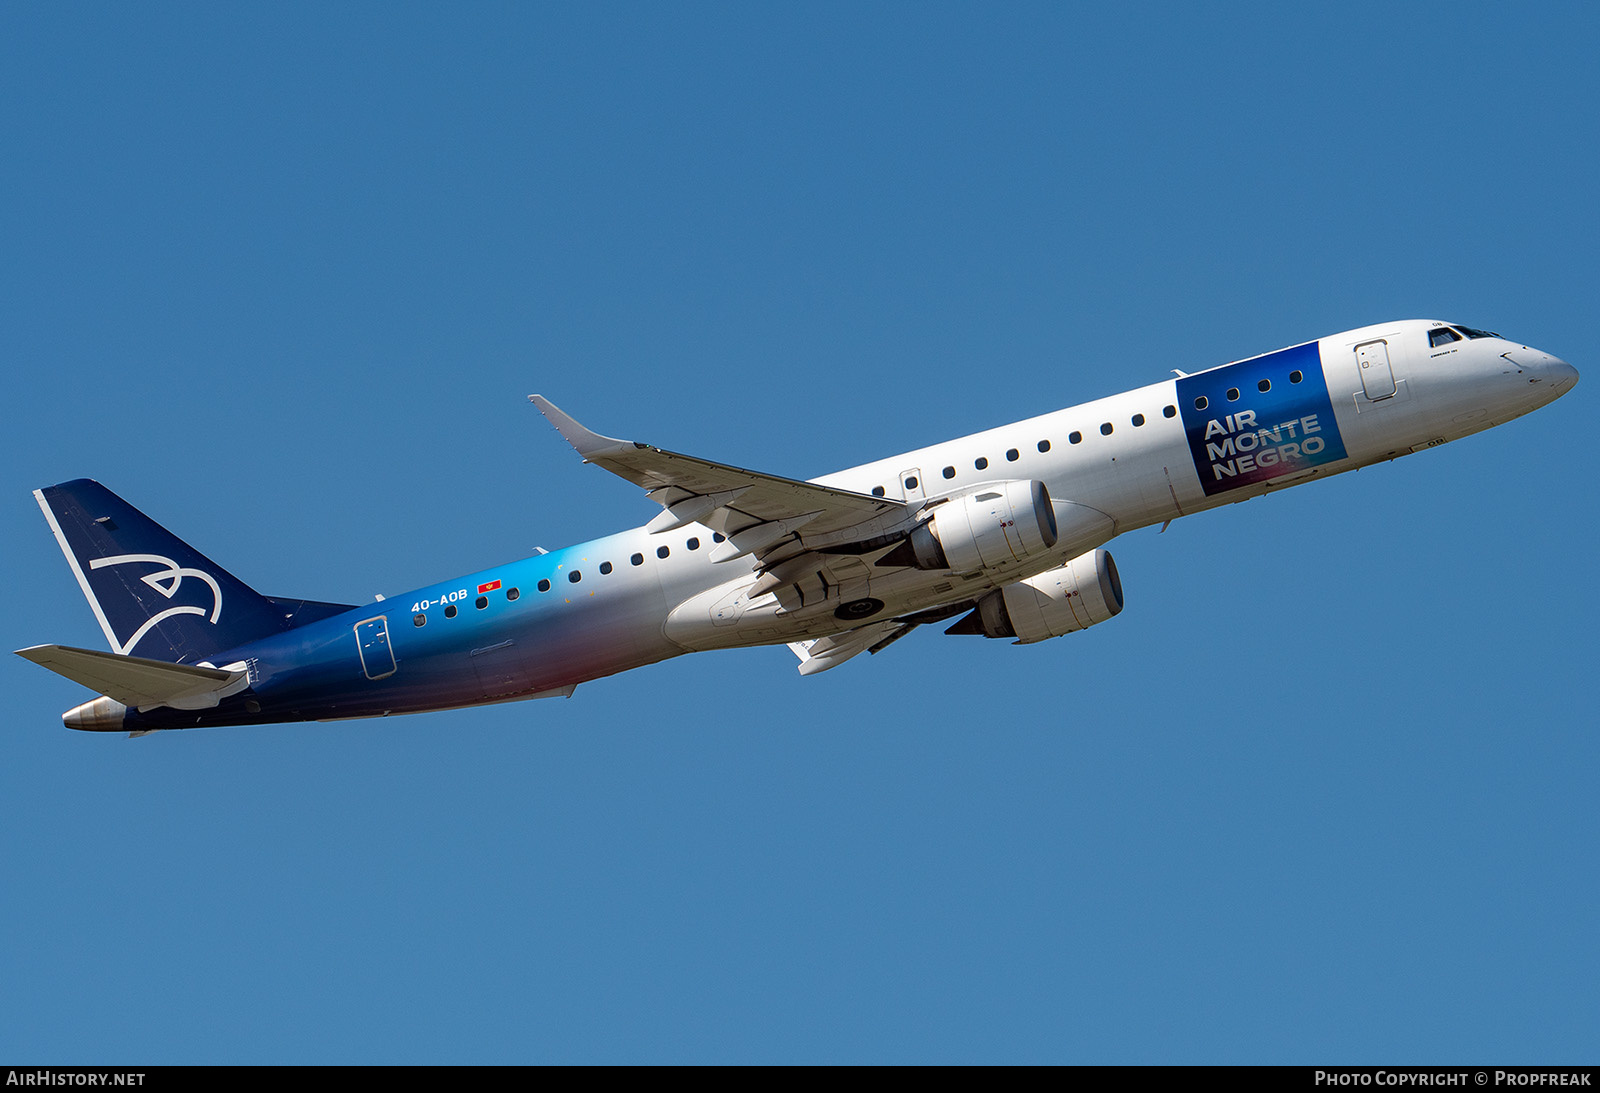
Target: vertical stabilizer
x: 152, y: 593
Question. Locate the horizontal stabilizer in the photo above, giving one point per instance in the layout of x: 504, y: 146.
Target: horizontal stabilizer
x: 137, y: 681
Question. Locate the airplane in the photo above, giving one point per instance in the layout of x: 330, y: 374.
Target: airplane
x: 1002, y: 531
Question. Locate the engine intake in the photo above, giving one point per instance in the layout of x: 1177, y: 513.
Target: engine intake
x: 1058, y: 601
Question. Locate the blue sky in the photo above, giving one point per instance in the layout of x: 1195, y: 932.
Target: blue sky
x: 283, y: 279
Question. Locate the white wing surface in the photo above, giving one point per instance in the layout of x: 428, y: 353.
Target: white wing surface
x: 776, y: 519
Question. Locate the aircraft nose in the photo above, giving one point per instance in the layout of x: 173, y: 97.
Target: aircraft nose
x: 1543, y: 376
x: 1562, y: 376
x: 1550, y: 376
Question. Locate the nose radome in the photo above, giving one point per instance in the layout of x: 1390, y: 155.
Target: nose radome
x: 1547, y: 377
x: 1549, y: 373
x: 1562, y: 376
x: 1547, y: 366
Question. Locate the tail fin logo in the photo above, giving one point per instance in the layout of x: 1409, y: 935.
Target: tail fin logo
x: 166, y: 581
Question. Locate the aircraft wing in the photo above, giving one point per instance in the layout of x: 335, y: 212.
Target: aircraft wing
x: 774, y: 518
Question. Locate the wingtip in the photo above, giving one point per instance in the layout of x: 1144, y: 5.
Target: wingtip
x: 585, y: 441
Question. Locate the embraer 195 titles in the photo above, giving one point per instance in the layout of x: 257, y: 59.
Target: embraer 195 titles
x: 1003, y: 528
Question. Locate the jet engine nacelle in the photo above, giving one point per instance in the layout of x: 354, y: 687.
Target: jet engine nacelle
x: 1058, y: 601
x: 996, y: 524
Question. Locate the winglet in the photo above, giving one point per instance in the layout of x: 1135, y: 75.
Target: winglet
x: 586, y: 441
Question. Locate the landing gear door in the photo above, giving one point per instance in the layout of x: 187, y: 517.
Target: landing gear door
x: 372, y: 642
x: 1377, y: 377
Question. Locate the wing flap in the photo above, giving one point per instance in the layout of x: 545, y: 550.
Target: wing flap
x: 820, y: 654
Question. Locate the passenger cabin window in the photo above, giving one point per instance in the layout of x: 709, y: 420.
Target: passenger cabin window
x: 1138, y: 420
x: 877, y: 491
x: 982, y: 463
x: 1044, y: 445
x: 1074, y: 437
x: 1169, y: 411
x: 949, y: 472
x: 1442, y: 336
x: 1012, y: 455
x: 1105, y: 430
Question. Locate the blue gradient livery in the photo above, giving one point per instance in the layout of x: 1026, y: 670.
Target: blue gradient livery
x: 1256, y: 420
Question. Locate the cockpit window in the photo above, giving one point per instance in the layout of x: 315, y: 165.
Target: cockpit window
x: 1471, y: 333
x: 1442, y: 336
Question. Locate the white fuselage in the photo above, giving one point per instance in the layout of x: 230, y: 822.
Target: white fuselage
x: 1128, y: 457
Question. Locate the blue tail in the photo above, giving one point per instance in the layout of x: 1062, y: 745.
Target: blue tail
x: 152, y: 593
